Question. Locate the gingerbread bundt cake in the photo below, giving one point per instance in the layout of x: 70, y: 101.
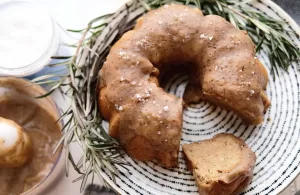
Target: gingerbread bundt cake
x: 223, y: 70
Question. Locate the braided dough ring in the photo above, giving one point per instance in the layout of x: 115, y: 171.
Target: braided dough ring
x: 222, y: 70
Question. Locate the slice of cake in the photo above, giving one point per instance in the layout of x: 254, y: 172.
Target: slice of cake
x: 222, y: 165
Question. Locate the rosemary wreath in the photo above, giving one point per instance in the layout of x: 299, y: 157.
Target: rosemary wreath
x: 83, y: 123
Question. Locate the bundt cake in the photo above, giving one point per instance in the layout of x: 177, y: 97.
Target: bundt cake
x: 222, y: 165
x: 222, y: 70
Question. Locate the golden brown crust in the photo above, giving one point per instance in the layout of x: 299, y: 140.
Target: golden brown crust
x: 232, y: 174
x: 222, y: 69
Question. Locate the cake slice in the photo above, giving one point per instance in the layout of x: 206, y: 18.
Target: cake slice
x: 222, y: 165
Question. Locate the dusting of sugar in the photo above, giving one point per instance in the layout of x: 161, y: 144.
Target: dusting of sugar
x: 252, y: 72
x: 133, y: 82
x: 120, y: 108
x: 122, y: 79
x: 166, y: 108
x: 138, y: 96
x: 148, y: 92
x: 160, y: 22
x: 143, y: 42
x: 158, y: 132
x: 121, y: 53
x: 252, y: 92
x: 203, y: 36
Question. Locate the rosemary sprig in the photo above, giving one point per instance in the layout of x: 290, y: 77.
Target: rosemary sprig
x: 83, y: 123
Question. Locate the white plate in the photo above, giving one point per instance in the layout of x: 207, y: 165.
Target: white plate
x: 275, y: 142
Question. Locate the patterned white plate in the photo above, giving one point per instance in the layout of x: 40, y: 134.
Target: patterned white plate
x: 275, y: 141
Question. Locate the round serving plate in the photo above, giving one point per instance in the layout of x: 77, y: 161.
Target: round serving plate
x: 275, y: 141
